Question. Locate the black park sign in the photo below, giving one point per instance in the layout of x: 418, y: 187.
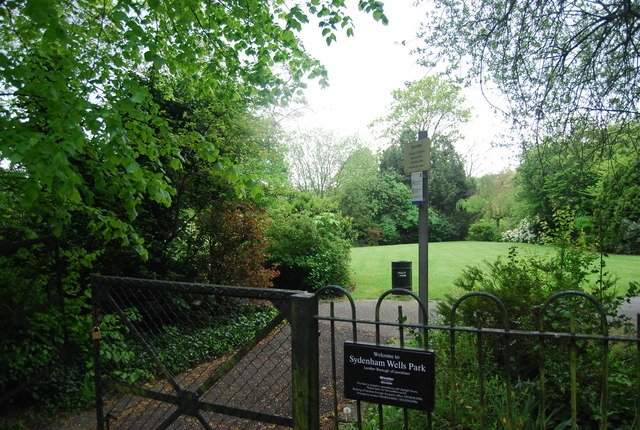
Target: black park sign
x: 389, y: 375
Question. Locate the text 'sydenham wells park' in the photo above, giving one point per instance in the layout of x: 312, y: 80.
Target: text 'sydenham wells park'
x: 389, y: 375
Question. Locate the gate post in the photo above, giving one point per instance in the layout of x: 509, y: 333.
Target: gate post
x: 305, y: 361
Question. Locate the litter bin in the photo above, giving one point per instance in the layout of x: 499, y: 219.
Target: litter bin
x: 401, y: 274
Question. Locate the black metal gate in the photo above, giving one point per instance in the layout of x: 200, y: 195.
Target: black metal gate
x: 158, y: 365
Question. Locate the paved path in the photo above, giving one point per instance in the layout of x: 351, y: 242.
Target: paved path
x: 631, y: 309
x: 365, y: 309
x: 388, y: 312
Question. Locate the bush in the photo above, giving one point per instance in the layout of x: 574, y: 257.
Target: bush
x: 527, y: 232
x: 441, y: 228
x: 310, y: 249
x: 523, y: 284
x: 630, y: 237
x: 483, y: 230
x: 233, y: 235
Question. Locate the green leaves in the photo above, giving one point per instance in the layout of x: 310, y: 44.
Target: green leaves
x: 89, y: 139
x: 431, y: 104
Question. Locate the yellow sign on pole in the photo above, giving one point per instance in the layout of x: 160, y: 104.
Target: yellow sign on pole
x: 416, y: 156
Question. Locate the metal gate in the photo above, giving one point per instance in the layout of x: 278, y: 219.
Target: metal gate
x: 157, y: 364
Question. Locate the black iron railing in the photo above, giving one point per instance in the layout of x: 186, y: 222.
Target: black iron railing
x: 489, y: 357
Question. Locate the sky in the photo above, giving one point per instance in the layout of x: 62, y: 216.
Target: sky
x: 363, y: 71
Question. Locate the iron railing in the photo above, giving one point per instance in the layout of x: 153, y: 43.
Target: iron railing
x: 472, y: 360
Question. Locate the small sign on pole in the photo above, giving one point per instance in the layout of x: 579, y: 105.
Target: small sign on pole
x: 417, y: 188
x: 390, y: 375
x: 416, y: 155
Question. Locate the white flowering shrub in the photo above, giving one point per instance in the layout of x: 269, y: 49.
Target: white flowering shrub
x: 526, y: 232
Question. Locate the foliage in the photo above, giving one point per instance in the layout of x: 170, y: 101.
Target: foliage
x: 123, y: 125
x: 558, y: 62
x: 559, y: 173
x: 431, y: 105
x: 310, y: 250
x: 441, y: 229
x: 74, y: 93
x: 600, y: 186
x: 360, y: 163
x: 483, y: 230
x: 618, y: 205
x: 495, y: 197
x: 448, y: 184
x: 234, y: 242
x: 44, y: 326
x: 380, y: 207
x: 523, y: 284
x: 316, y: 157
x: 178, y: 346
x: 528, y: 231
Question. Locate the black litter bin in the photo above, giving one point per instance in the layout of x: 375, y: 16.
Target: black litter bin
x: 401, y: 274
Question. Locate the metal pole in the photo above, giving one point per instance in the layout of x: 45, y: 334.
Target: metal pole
x: 423, y: 242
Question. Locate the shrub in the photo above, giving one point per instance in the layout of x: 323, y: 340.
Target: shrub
x: 441, y: 228
x: 311, y: 250
x: 483, y: 230
x: 630, y: 237
x: 235, y: 245
x: 523, y: 284
x: 527, y: 232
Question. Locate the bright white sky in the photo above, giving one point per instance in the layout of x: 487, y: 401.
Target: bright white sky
x: 364, y: 69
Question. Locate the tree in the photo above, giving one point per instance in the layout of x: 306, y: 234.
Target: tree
x: 618, y: 204
x: 430, y: 105
x: 316, y: 158
x: 360, y: 163
x: 448, y: 184
x: 71, y: 92
x: 122, y: 123
x: 599, y: 188
x: 559, y: 173
x: 561, y: 63
x: 495, y: 197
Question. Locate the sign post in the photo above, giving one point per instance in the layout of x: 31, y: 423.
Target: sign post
x: 416, y: 162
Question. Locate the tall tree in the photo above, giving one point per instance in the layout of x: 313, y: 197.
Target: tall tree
x: 495, y: 197
x: 430, y: 104
x: 316, y: 157
x: 559, y: 62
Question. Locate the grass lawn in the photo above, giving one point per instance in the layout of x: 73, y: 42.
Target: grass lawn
x: 372, y: 265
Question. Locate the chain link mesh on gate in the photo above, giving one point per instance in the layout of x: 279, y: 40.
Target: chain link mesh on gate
x: 175, y: 358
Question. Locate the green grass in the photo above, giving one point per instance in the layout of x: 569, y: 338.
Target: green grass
x: 372, y: 265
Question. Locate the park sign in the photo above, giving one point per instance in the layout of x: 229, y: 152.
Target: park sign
x: 389, y: 375
x: 416, y: 155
